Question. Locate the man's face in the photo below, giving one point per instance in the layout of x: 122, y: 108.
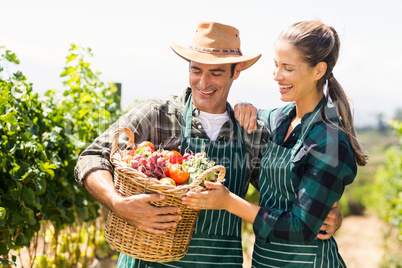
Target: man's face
x: 210, y: 84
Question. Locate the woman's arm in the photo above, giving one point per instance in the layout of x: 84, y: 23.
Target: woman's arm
x: 219, y: 197
x: 321, y: 186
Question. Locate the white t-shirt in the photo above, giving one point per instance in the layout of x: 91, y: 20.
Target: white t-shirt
x: 212, y: 123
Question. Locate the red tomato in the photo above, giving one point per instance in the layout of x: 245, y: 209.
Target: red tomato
x: 178, y: 173
x: 128, y: 156
x: 131, y: 152
x: 174, y: 157
x: 146, y: 144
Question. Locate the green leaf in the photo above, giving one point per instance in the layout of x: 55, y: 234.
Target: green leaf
x: 15, y: 193
x: 11, y: 57
x: 71, y: 58
x: 3, y: 248
x: 28, y: 196
x: 19, y: 76
x: 40, y: 185
x: 47, y: 168
x: 3, y: 213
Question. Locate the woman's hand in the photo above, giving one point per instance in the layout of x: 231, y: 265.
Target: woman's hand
x: 216, y: 197
x: 246, y: 114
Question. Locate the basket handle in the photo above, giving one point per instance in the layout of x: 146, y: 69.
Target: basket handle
x: 203, y: 175
x: 115, y: 143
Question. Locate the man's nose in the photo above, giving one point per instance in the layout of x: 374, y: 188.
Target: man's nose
x: 204, y: 81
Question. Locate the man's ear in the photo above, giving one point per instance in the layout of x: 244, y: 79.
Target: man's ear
x: 320, y: 70
x: 237, y: 70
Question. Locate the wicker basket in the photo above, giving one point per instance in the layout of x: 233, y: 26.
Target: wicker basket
x: 140, y: 244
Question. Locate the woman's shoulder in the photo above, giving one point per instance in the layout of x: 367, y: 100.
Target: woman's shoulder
x: 328, y: 131
x: 273, y: 116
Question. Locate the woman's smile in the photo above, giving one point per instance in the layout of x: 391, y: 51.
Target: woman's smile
x: 285, y: 88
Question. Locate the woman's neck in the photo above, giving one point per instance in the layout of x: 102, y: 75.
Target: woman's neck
x: 307, y: 105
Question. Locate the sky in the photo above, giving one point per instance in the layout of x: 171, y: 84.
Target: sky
x: 130, y: 41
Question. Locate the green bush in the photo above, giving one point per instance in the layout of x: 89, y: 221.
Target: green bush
x: 385, y: 198
x: 386, y: 194
x: 40, y: 140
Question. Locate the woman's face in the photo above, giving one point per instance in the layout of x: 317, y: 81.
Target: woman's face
x: 297, y: 81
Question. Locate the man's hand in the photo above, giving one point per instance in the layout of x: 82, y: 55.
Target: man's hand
x: 331, y: 223
x: 135, y: 209
x: 246, y: 114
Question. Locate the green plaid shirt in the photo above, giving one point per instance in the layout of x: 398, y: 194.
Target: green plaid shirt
x: 321, y: 180
x: 161, y: 121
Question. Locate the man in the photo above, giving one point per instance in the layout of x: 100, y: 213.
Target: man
x: 201, y: 117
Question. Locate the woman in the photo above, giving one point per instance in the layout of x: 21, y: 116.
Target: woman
x: 310, y: 158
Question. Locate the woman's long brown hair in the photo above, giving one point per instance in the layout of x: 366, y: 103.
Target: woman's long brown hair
x: 317, y: 42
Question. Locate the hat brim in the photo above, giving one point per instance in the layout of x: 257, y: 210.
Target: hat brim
x: 209, y: 58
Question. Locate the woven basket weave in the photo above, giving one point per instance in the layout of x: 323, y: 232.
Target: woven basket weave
x: 140, y: 244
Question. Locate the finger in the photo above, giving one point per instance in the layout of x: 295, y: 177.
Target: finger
x: 153, y: 231
x: 153, y: 197
x: 159, y: 210
x: 237, y: 111
x: 244, y: 117
x: 240, y: 114
x: 158, y: 228
x: 329, y: 221
x: 324, y: 236
x: 165, y: 210
x: 193, y: 203
x: 253, y: 125
x: 211, y: 185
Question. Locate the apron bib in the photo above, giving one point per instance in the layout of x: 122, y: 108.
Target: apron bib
x: 217, y: 236
x: 278, y: 188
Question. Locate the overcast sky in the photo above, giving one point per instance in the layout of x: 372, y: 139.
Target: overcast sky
x: 131, y: 44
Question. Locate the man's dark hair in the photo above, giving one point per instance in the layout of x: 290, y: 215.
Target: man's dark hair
x: 232, y: 68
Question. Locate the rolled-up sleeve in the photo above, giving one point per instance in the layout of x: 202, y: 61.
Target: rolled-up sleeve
x: 97, y: 155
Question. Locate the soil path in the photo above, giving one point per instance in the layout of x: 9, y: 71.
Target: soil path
x: 360, y: 240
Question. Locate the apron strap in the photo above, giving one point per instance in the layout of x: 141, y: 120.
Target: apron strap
x: 187, y: 122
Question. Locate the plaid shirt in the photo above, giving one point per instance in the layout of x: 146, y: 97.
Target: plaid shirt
x: 322, y: 168
x: 161, y: 121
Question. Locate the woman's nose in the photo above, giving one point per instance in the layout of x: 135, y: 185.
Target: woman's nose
x: 277, y: 74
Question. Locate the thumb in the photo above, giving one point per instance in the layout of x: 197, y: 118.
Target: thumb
x: 212, y: 185
x: 153, y: 197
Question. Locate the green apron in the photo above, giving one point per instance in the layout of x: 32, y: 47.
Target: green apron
x: 217, y: 236
x: 278, y: 188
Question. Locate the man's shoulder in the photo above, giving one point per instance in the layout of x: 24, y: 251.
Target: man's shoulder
x: 168, y: 104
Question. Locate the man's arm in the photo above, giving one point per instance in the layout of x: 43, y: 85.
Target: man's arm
x: 332, y: 223
x: 135, y: 209
x: 94, y: 172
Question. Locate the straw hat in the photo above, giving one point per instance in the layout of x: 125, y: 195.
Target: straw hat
x: 215, y: 43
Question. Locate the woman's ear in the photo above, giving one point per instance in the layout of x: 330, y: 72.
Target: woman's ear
x: 320, y: 70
